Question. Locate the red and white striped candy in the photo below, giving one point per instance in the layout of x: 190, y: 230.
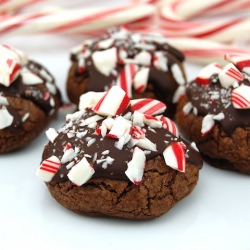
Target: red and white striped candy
x: 207, y: 125
x: 114, y: 102
x: 6, y: 118
x: 160, y: 61
x: 148, y: 106
x: 12, y: 53
x: 241, y: 97
x: 169, y: 125
x: 205, y: 74
x: 81, y: 172
x: 174, y: 156
x: 136, y: 132
x: 152, y: 121
x: 141, y: 80
x: 125, y: 78
x: 9, y: 71
x: 105, y: 60
x: 241, y: 62
x: 90, y: 99
x: 136, y: 166
x: 48, y: 168
x: 229, y: 75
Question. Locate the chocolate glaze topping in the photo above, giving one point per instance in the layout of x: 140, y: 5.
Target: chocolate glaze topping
x: 163, y: 81
x: 214, y: 99
x: 103, y: 147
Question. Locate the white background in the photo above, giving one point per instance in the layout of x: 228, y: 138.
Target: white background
x: 215, y: 216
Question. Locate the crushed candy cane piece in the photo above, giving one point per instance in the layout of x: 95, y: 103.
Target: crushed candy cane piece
x: 180, y: 91
x: 241, y: 97
x: 68, y: 155
x: 51, y: 134
x: 206, y: 72
x: 136, y: 166
x: 169, y: 125
x: 105, y: 60
x: 229, y: 75
x: 3, y: 101
x: 6, y: 118
x: 141, y: 80
x: 207, y: 124
x: 29, y: 78
x: 152, y: 121
x: 160, y: 61
x: 81, y: 172
x: 143, y: 58
x: 241, y: 62
x: 114, y: 102
x: 145, y: 143
x: 10, y: 52
x: 148, y: 106
x: 105, y: 44
x: 174, y: 156
x: 125, y: 78
x: 177, y: 73
x: 90, y: 99
x: 9, y: 71
x: 119, y: 128
x: 48, y: 168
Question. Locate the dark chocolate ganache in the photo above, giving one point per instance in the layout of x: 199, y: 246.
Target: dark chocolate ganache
x: 214, y: 99
x: 163, y: 78
x: 86, y: 142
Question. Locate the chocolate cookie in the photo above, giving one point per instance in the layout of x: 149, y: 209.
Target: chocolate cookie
x: 29, y: 99
x: 215, y: 114
x: 144, y: 66
x: 110, y: 159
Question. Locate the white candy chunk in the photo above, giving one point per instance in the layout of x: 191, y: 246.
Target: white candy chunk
x: 145, y: 143
x: 6, y: 118
x: 143, y: 58
x: 180, y: 91
x: 51, y: 88
x: 207, y: 124
x: 193, y: 145
x: 30, y: 78
x: 68, y: 155
x: 75, y: 115
x: 206, y: 72
x: 51, y: 134
x: 160, y: 61
x: 177, y: 73
x: 174, y: 156
x: 3, y: 101
x: 105, y: 44
x: 187, y: 108
x: 91, y: 119
x: 141, y: 79
x: 90, y: 99
x: 241, y: 97
x: 241, y: 62
x: 229, y: 75
x: 9, y: 71
x: 105, y: 60
x: 219, y: 116
x: 114, y: 102
x: 136, y: 166
x: 81, y: 172
x: 148, y: 106
x: 48, y: 168
x: 12, y: 53
x: 122, y: 55
x: 108, y: 123
x: 138, y: 118
x: 119, y: 128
